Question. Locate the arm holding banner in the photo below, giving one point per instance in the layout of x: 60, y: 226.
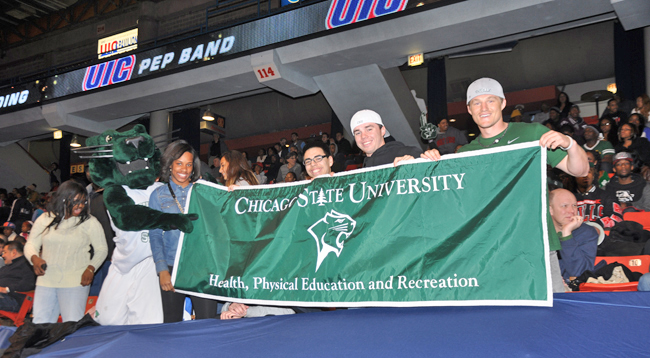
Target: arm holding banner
x: 575, y: 163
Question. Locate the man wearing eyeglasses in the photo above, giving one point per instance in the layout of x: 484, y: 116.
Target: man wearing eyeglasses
x: 317, y: 159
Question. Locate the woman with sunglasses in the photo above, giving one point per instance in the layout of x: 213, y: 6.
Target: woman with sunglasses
x: 64, y: 268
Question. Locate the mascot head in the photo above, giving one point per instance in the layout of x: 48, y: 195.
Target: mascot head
x: 123, y: 158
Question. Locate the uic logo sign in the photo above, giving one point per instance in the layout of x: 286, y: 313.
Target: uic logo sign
x: 329, y: 233
x: 345, y: 12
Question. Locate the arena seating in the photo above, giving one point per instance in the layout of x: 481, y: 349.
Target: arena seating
x: 19, y: 317
x: 638, y: 263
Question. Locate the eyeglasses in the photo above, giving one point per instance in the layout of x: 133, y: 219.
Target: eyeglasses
x: 317, y: 159
x: 605, y: 124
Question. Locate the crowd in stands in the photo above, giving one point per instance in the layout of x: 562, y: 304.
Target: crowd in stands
x: 583, y: 208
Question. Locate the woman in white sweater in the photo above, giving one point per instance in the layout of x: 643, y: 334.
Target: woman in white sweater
x: 64, y: 268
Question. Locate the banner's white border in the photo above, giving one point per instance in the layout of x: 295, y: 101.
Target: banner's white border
x: 548, y: 302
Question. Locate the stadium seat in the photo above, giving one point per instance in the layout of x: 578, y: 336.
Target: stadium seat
x: 638, y: 263
x: 353, y: 167
x: 19, y: 317
x: 642, y: 218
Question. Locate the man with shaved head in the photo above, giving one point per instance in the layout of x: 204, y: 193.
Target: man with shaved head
x: 579, y: 241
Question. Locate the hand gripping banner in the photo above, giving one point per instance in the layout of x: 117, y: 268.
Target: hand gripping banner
x: 467, y: 230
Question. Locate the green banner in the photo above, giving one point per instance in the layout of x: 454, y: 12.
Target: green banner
x: 467, y: 230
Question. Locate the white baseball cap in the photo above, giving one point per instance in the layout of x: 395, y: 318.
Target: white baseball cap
x: 365, y: 116
x: 484, y: 86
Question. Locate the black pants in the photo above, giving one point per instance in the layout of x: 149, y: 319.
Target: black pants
x: 174, y: 303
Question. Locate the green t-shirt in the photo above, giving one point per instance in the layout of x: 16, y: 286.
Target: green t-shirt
x: 603, y: 148
x: 521, y: 133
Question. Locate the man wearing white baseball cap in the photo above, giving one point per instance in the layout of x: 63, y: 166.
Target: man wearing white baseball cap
x: 485, y: 102
x: 369, y: 131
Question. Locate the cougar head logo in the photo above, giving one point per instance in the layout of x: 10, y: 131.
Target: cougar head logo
x: 428, y: 130
x: 329, y: 233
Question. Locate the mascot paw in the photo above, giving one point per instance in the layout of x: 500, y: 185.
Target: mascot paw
x: 182, y: 222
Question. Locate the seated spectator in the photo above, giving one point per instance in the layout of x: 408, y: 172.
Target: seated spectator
x: 564, y: 104
x: 40, y: 209
x: 27, y: 227
x: 579, y: 241
x: 629, y: 141
x: 343, y: 144
x: 575, y: 121
x: 297, y: 142
x: 3, y: 243
x: 261, y: 156
x: 549, y: 124
x: 325, y: 137
x: 294, y: 149
x: 448, y: 138
x: 644, y: 283
x: 628, y: 188
x: 273, y: 168
x: 602, y: 176
x: 16, y: 276
x: 290, y: 177
x: 613, y: 113
x: 554, y: 117
x: 259, y: 174
x: 9, y: 231
x: 245, y: 154
x: 515, y: 116
x: 593, y: 203
x: 339, y: 158
x: 32, y: 194
x: 543, y: 115
x: 21, y: 209
x: 639, y: 121
x: 567, y: 130
x: 281, y: 150
x: 642, y: 106
x: 292, y: 165
x: 609, y: 130
x: 592, y: 142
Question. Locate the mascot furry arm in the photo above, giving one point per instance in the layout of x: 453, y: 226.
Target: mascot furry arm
x: 130, y: 158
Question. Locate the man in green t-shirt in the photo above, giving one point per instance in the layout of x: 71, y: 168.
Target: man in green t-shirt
x: 486, y: 102
x: 593, y: 142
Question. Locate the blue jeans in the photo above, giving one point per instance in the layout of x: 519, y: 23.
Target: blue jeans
x: 49, y: 302
x: 8, y: 303
x: 644, y: 282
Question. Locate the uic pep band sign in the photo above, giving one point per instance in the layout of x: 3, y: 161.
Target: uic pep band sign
x: 461, y: 231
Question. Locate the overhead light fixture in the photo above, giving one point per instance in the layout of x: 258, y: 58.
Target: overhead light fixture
x: 472, y: 134
x: 75, y: 141
x: 612, y: 87
x: 419, y: 4
x: 207, y: 115
x: 58, y: 134
x: 452, y: 120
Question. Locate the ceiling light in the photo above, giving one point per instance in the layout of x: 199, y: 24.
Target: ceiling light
x: 208, y: 116
x: 58, y: 134
x: 75, y: 141
x: 612, y: 87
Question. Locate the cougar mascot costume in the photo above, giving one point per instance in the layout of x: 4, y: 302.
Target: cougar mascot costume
x: 126, y: 164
